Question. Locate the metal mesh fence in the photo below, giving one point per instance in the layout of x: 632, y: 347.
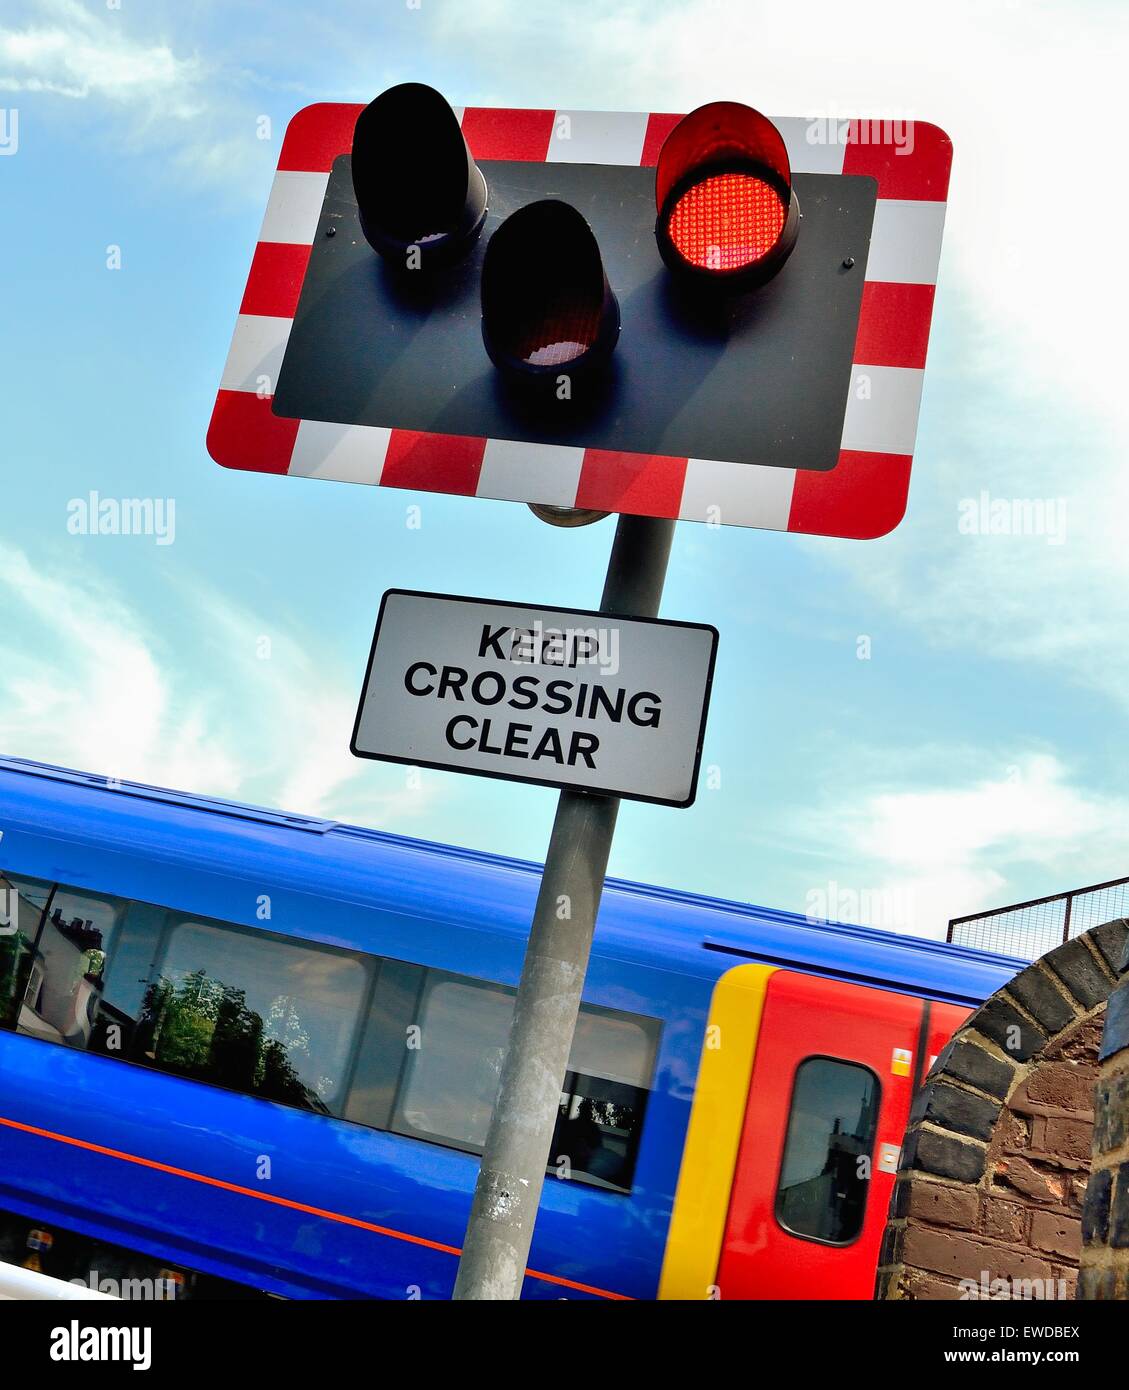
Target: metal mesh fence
x: 1030, y: 929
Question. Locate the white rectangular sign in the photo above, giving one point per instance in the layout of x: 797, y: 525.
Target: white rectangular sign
x: 564, y: 699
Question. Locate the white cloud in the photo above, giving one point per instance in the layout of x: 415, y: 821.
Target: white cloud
x: 89, y: 683
x: 84, y: 683
x: 196, y: 114
x: 69, y: 52
x: 912, y: 859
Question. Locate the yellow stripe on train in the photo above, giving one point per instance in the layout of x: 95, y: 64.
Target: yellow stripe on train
x: 701, y: 1201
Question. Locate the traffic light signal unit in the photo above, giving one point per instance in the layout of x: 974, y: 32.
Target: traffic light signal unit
x: 769, y: 376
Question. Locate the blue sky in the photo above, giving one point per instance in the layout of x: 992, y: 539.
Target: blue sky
x: 976, y: 758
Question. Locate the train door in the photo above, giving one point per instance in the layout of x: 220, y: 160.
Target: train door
x: 829, y: 1099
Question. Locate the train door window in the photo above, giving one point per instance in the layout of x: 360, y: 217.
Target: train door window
x: 255, y: 1013
x: 23, y: 902
x: 449, y: 1079
x: 824, y: 1177
x: 67, y: 966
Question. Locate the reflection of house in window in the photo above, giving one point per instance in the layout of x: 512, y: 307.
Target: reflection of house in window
x: 64, y: 987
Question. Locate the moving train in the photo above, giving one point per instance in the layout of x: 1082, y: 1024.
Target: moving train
x: 250, y: 1054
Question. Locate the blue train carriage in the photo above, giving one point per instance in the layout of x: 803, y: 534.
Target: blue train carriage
x: 244, y: 1053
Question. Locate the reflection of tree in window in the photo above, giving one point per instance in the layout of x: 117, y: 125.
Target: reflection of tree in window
x: 285, y: 1026
x: 237, y: 1043
x: 202, y: 1028
x: 257, y: 1014
x: 287, y: 1038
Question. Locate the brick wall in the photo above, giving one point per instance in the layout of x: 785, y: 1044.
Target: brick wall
x: 1105, y: 1219
x: 994, y: 1166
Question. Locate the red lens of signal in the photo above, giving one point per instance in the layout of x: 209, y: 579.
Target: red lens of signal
x: 727, y: 221
x: 728, y: 215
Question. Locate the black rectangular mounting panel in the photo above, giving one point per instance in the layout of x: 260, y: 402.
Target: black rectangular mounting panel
x: 761, y: 378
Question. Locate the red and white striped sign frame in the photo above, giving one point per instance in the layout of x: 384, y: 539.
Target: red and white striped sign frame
x: 863, y: 496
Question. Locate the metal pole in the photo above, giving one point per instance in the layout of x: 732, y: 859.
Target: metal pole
x: 510, y: 1178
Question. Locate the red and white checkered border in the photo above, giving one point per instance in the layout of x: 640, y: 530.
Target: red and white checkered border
x: 864, y: 496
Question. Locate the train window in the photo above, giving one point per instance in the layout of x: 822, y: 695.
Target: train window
x: 256, y: 1013
x: 831, y: 1128
x: 451, y: 1065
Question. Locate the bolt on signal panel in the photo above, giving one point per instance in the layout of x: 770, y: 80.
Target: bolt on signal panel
x: 790, y: 407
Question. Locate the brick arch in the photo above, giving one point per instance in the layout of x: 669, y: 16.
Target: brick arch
x: 996, y: 1156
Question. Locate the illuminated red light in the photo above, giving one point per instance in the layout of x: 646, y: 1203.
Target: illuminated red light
x: 727, y: 221
x: 727, y: 210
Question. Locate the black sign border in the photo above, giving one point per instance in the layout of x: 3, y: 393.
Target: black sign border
x: 516, y: 777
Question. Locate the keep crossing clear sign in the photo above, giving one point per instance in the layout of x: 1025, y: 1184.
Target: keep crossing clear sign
x: 576, y: 699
